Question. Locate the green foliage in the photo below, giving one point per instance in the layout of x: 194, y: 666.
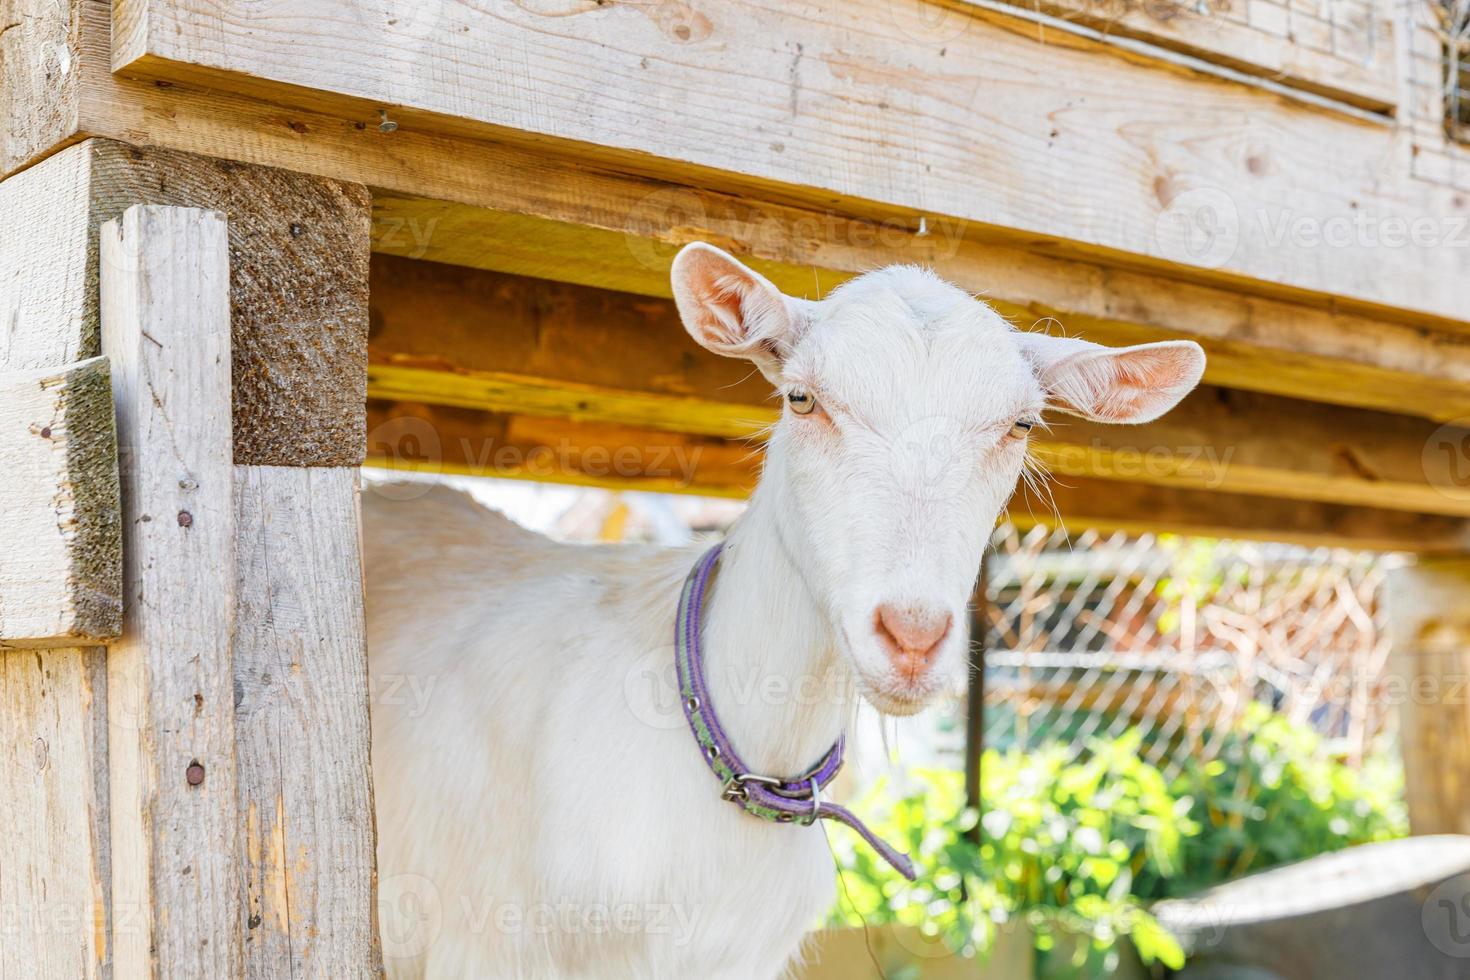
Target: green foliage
x: 1078, y: 849
x: 1059, y: 848
x: 1273, y: 795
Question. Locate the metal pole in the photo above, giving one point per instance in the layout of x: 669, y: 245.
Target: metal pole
x: 975, y: 699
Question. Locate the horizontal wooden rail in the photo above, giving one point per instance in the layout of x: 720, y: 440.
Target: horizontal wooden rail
x: 852, y: 105
x: 1281, y: 49
x: 536, y: 210
x: 624, y: 236
x: 453, y: 336
x: 438, y: 439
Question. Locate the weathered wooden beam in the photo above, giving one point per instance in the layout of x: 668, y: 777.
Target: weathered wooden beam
x: 60, y: 541
x: 1351, y: 58
x: 829, y: 109
x: 298, y: 331
x: 436, y: 438
x: 301, y: 720
x: 54, y: 851
x: 1428, y: 678
x: 548, y: 214
x: 171, y: 734
x: 454, y: 336
x: 55, y: 881
x: 40, y: 92
x: 439, y: 439
x: 1141, y: 508
x: 633, y: 231
x: 299, y: 249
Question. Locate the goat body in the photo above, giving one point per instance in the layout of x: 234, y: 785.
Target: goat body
x: 543, y: 810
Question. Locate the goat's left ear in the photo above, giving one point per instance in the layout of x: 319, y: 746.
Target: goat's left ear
x: 1114, y: 384
x: 733, y: 310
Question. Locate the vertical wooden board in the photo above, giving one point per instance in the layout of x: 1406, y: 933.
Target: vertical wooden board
x: 40, y: 77
x: 54, y: 919
x: 48, y: 306
x: 166, y: 329
x: 1428, y: 678
x: 60, y: 542
x: 54, y: 829
x: 301, y: 720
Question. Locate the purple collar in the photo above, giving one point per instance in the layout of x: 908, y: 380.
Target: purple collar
x: 796, y: 800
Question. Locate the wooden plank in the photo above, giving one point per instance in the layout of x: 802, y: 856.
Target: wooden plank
x: 48, y: 309
x: 1363, y: 73
x: 438, y: 439
x: 1428, y: 677
x: 549, y: 214
x: 54, y: 874
x: 847, y: 105
x: 1141, y: 508
x: 1256, y: 343
x: 300, y: 324
x: 61, y: 541
x: 453, y: 336
x: 39, y: 86
x: 54, y: 851
x: 435, y: 439
x: 171, y: 744
x: 301, y: 718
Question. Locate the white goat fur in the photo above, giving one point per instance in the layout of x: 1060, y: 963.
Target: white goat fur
x: 549, y: 814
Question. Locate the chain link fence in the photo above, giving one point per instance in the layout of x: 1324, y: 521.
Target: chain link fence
x: 1093, y: 635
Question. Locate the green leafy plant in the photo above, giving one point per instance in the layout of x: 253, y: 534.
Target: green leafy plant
x: 1077, y: 849
x: 1274, y: 794
x: 1058, y: 849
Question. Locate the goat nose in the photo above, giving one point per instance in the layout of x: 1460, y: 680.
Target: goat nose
x: 911, y: 634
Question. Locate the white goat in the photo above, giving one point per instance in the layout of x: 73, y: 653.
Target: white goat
x: 550, y: 814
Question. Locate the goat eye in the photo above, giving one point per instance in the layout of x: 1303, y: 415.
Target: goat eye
x: 801, y: 402
x: 1021, y: 428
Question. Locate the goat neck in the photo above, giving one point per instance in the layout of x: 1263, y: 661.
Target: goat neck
x: 774, y: 673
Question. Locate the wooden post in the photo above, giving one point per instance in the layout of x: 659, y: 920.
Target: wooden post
x: 171, y: 733
x: 302, y: 723
x: 54, y: 854
x: 1428, y: 678
x: 296, y: 368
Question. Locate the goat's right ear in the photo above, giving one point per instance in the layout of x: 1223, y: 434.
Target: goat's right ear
x: 733, y: 310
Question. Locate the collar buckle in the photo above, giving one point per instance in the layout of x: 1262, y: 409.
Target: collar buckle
x: 735, y: 791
